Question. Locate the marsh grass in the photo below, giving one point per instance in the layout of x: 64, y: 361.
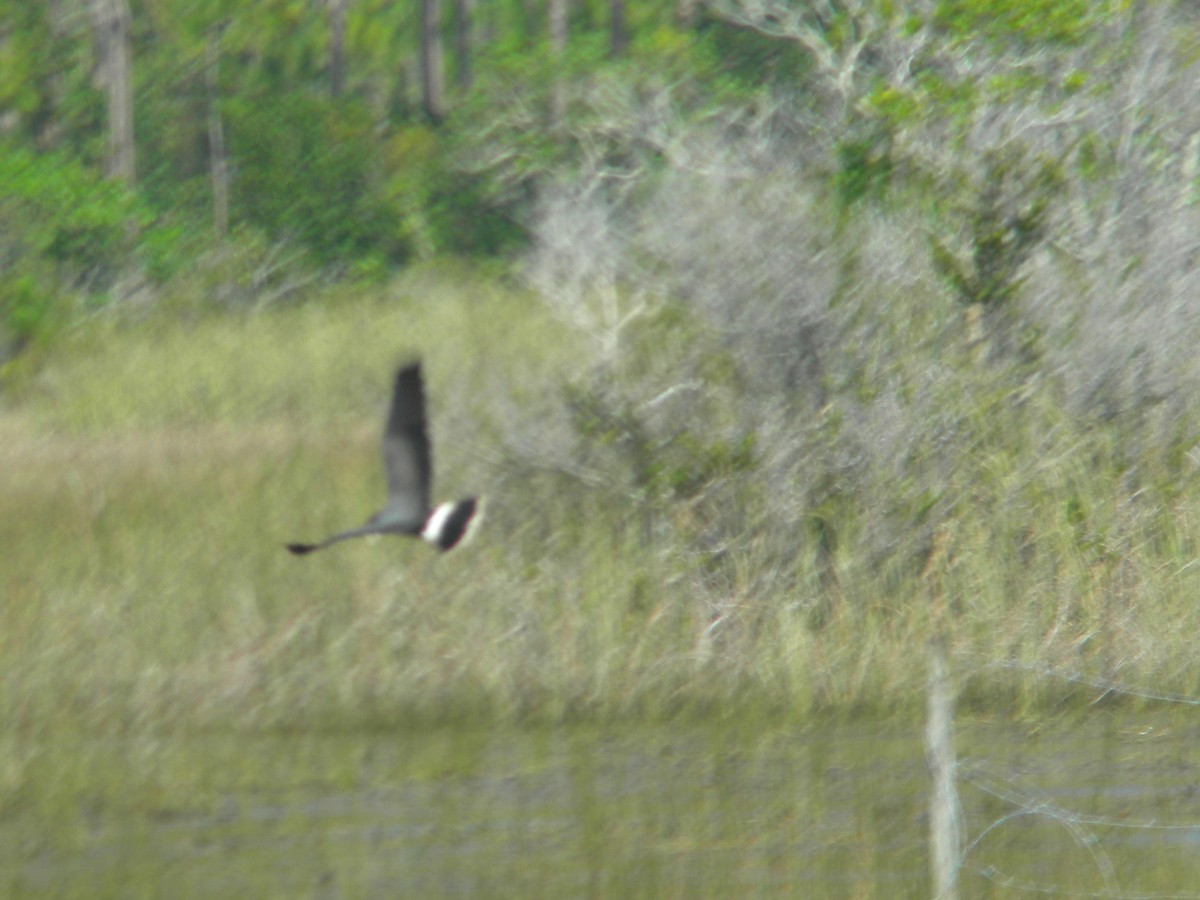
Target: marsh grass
x: 153, y: 470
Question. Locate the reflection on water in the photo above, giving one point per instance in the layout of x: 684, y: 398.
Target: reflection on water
x: 1108, y: 803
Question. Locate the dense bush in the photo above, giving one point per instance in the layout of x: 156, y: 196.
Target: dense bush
x: 892, y: 367
x: 65, y: 232
x: 308, y: 170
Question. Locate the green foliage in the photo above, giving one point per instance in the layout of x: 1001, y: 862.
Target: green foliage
x: 1005, y: 224
x: 351, y: 179
x: 46, y: 83
x: 442, y: 209
x: 307, y: 170
x: 26, y: 313
x: 27, y: 34
x: 865, y: 167
x: 504, y: 144
x: 172, y: 147
x: 1031, y: 22
x: 748, y: 59
x: 63, y: 228
x: 54, y: 209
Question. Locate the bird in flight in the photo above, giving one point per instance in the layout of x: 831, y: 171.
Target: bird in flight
x: 409, y: 470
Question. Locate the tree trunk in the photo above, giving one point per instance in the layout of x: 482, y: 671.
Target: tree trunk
x: 464, y: 42
x: 617, y: 29
x: 111, y: 27
x: 432, y: 83
x: 557, y: 17
x: 532, y: 14
x: 218, y: 166
x: 488, y: 25
x: 337, y: 47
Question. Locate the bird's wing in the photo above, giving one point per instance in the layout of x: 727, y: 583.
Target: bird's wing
x: 406, y: 457
x: 301, y: 549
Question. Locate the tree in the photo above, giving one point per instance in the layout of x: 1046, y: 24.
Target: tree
x: 463, y: 41
x: 111, y: 27
x: 337, y: 46
x: 557, y: 15
x: 618, y: 32
x: 216, y: 133
x: 433, y: 91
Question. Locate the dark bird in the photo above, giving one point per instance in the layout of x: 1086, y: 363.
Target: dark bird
x: 409, y: 469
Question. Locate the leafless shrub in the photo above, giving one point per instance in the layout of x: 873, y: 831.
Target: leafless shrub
x: 578, y: 264
x: 1126, y: 338
x: 1117, y: 296
x: 750, y: 255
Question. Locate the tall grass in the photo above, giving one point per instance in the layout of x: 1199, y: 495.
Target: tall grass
x: 152, y: 471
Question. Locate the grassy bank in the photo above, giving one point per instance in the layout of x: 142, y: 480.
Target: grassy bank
x: 151, y: 471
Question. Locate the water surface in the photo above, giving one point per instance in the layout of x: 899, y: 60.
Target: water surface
x: 1105, y: 803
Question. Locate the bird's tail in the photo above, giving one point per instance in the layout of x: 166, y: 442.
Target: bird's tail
x: 452, y: 524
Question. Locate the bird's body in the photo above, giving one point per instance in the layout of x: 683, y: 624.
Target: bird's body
x: 408, y: 466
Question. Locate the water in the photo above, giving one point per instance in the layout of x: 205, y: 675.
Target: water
x: 1103, y: 803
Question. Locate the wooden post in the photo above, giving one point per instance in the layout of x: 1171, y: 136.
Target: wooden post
x: 944, y: 835
x: 945, y: 827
